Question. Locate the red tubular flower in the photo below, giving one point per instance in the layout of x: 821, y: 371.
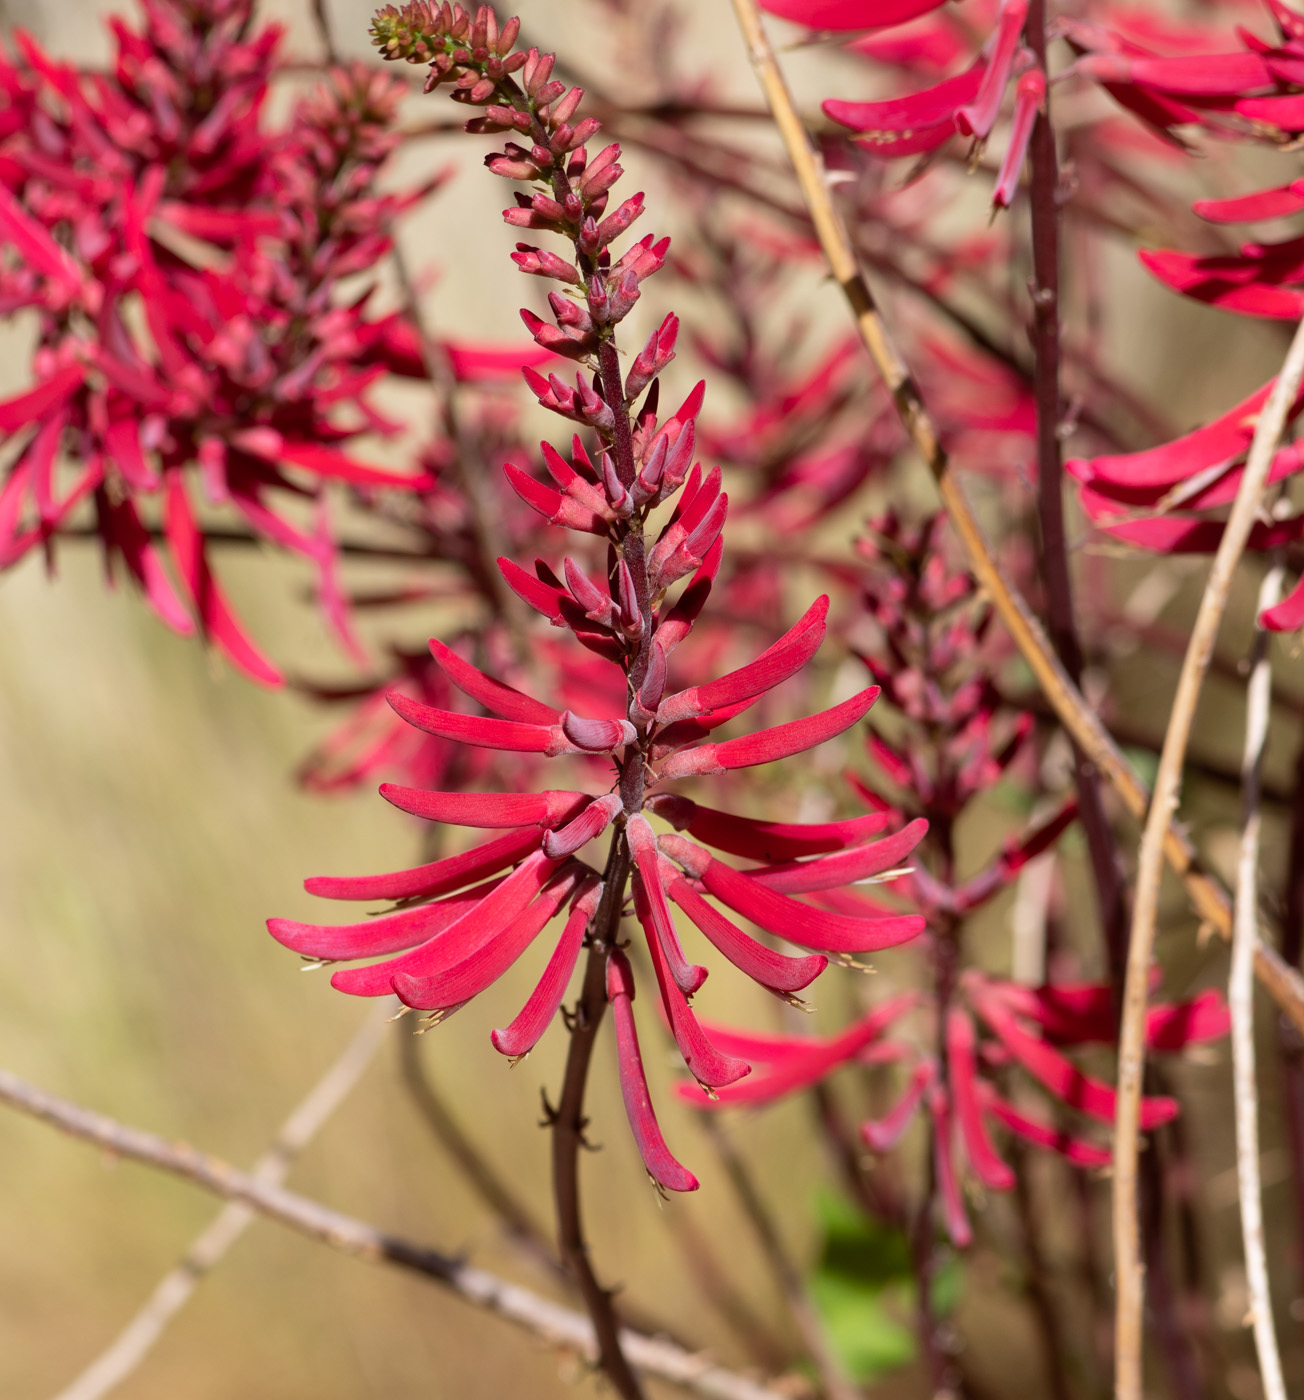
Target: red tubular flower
x: 474, y: 920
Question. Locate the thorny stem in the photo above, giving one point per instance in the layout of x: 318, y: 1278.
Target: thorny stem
x: 1240, y: 998
x: 1050, y: 496
x: 1129, y: 1327
x: 568, y: 1124
x: 1283, y: 983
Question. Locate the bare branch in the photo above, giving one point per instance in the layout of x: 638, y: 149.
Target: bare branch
x: 125, y: 1353
x: 1240, y: 996
x: 550, y: 1322
x: 1129, y: 1300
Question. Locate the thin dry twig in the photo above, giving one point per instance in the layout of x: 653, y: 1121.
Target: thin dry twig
x: 550, y: 1322
x: 1240, y: 997
x: 1211, y: 902
x: 1129, y: 1298
x: 125, y: 1353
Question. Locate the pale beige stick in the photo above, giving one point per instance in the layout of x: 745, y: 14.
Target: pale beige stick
x: 134, y: 1342
x: 1240, y: 997
x: 543, y: 1319
x: 1130, y: 1292
x: 1283, y: 983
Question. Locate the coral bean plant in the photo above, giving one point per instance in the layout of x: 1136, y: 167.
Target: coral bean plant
x: 463, y: 922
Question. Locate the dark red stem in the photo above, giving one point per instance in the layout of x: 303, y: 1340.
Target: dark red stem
x: 1050, y: 496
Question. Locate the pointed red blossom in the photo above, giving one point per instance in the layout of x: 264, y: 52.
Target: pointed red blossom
x: 948, y: 1183
x: 762, y: 840
x: 1288, y: 615
x: 457, y: 941
x: 370, y: 938
x: 777, y: 972
x: 883, y: 1134
x: 536, y: 1015
x: 844, y: 867
x: 123, y: 529
x: 962, y: 1065
x: 488, y: 809
x: 799, y: 923
x: 438, y: 877
x: 1077, y: 1150
x: 774, y: 665
x: 976, y: 891
x: 804, y: 1067
x: 653, y: 910
x: 661, y: 1166
x: 768, y: 745
x: 1255, y: 282
x: 494, y: 695
x: 453, y: 986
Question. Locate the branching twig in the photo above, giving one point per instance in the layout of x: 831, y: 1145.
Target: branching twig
x: 548, y: 1321
x: 1283, y: 983
x: 1240, y: 997
x: 1131, y: 1055
x: 130, y: 1347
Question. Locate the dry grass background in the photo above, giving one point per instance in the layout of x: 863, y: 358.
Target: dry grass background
x: 148, y: 825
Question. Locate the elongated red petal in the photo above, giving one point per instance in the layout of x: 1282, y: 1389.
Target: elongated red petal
x: 661, y: 1166
x: 370, y: 938
x: 215, y: 613
x: 763, y: 840
x: 883, y: 1134
x: 960, y: 1043
x: 948, y: 1184
x: 801, y: 1071
x: 845, y: 867
x: 1250, y: 208
x: 1014, y: 857
x: 776, y: 971
x: 536, y: 1015
x: 705, y: 1062
x: 475, y: 729
x: 789, y: 918
x: 487, y: 809
x: 438, y: 877
x: 494, y: 695
x: 774, y: 665
x: 476, y: 927
x: 1077, y: 1150
x: 452, y: 986
x: 1174, y: 1027
x: 650, y: 902
x: 768, y: 745
x: 1288, y: 615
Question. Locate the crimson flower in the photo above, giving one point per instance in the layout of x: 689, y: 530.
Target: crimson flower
x: 461, y: 921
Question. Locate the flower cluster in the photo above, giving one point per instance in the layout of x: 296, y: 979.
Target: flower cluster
x: 934, y: 661
x: 464, y: 919
x: 186, y: 261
